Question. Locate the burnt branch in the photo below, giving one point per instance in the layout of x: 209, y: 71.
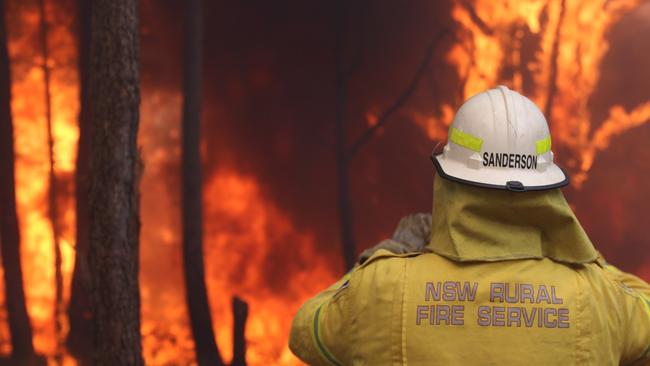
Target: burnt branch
x: 240, y: 315
x: 402, y: 98
x: 357, y: 61
x: 471, y: 10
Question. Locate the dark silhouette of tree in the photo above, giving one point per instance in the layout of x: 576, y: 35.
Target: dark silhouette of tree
x: 345, y: 152
x: 52, y: 193
x: 198, y: 306
x: 79, y: 341
x: 115, y: 169
x: 342, y: 166
x: 240, y: 315
x: 19, y: 326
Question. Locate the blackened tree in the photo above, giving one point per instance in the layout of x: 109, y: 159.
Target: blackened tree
x: 79, y: 341
x: 198, y: 305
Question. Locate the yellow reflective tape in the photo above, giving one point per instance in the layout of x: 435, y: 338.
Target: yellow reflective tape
x: 318, y: 339
x: 646, y: 302
x: 348, y: 275
x: 645, y: 299
x: 543, y: 146
x: 465, y: 140
x: 611, y: 268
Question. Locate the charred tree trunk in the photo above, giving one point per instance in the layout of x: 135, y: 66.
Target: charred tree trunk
x: 19, y: 327
x: 342, y: 161
x: 198, y: 306
x: 240, y: 315
x: 345, y: 207
x: 79, y: 340
x: 114, y: 177
x: 52, y: 196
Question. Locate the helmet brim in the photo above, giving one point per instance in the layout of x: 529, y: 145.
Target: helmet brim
x: 501, y: 178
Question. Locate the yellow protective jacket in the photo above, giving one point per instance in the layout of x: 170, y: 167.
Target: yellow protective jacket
x: 512, y: 279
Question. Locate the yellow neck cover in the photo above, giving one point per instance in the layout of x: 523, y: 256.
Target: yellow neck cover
x: 481, y: 224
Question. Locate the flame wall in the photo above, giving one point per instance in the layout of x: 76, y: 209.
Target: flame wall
x: 32, y: 155
x: 271, y: 230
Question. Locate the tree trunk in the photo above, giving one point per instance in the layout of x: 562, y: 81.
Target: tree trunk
x: 240, y: 315
x: 79, y: 340
x: 342, y: 161
x: 198, y: 306
x: 52, y: 196
x: 345, y: 212
x: 115, y: 169
x: 19, y: 327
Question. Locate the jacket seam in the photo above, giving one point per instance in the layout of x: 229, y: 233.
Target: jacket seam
x: 403, y: 311
x: 580, y: 311
x: 646, y: 303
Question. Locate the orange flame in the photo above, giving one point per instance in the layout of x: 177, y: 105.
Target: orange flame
x: 243, y: 228
x: 32, y: 167
x: 251, y: 251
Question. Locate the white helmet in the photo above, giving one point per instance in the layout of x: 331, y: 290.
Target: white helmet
x: 500, y: 139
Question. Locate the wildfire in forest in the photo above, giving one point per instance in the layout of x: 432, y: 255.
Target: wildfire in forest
x: 247, y: 238
x: 549, y: 50
x: 32, y: 157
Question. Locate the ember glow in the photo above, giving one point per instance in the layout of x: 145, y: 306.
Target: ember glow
x: 253, y: 249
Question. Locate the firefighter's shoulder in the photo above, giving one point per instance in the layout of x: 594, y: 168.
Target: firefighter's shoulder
x: 382, y: 269
x: 384, y: 254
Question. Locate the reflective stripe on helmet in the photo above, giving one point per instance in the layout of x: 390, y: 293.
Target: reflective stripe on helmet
x: 501, y: 123
x: 465, y: 140
x: 475, y: 144
x: 320, y: 347
x: 543, y: 146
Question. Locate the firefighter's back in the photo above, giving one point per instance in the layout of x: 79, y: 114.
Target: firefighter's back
x: 429, y: 310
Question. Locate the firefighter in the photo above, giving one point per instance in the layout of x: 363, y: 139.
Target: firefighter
x: 507, y: 277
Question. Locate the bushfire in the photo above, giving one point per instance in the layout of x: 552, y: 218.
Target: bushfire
x: 550, y: 50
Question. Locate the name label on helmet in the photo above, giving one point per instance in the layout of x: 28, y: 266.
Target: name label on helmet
x: 505, y: 160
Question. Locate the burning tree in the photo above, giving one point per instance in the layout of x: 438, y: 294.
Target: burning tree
x: 53, y: 209
x: 79, y: 341
x: 19, y: 325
